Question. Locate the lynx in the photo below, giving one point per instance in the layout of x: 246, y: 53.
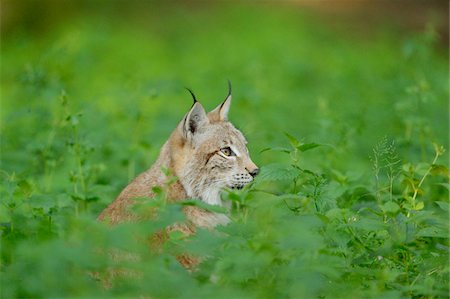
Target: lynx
x: 206, y: 153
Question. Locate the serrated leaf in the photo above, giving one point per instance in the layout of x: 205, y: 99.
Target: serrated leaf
x: 278, y: 172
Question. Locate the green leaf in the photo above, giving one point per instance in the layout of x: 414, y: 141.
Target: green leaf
x: 234, y: 196
x: 446, y: 185
x: 422, y: 168
x: 419, y: 206
x: 439, y: 170
x: 43, y: 202
x: 73, y: 120
x: 443, y: 205
x: 265, y: 150
x: 25, y: 188
x: 77, y: 197
x: 201, y: 204
x: 307, y: 146
x: 367, y: 224
x: 157, y: 190
x: 276, y: 149
x: 292, y: 140
x: 433, y: 232
x: 439, y: 149
x: 323, y: 217
x: 92, y: 198
x: 278, y: 172
x: 390, y: 207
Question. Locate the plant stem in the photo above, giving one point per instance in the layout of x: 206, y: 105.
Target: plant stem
x: 416, y: 189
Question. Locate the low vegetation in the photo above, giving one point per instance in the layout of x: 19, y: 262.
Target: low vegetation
x: 350, y: 133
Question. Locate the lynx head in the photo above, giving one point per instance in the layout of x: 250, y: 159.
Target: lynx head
x: 212, y: 154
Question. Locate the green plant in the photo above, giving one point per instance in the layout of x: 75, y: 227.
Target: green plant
x: 88, y: 104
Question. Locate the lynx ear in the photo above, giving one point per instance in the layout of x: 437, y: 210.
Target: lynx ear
x: 220, y: 113
x: 194, y: 120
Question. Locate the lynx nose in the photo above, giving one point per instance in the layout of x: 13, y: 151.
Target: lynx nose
x: 254, y: 172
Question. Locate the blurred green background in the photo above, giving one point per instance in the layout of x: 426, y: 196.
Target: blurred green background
x: 90, y: 90
x: 341, y: 73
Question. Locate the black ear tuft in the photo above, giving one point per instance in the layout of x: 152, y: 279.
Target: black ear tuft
x: 229, y: 89
x: 192, y: 94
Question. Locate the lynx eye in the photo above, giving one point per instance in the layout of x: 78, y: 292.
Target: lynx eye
x: 227, y: 152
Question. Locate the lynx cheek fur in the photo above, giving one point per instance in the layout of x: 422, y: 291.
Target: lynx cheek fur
x: 207, y: 153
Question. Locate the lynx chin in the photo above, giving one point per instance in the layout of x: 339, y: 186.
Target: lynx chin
x: 206, y: 153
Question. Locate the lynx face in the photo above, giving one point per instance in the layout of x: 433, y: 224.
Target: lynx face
x: 229, y: 162
x: 215, y: 152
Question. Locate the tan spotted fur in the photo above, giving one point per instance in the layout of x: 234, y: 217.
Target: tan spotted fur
x: 193, y: 154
